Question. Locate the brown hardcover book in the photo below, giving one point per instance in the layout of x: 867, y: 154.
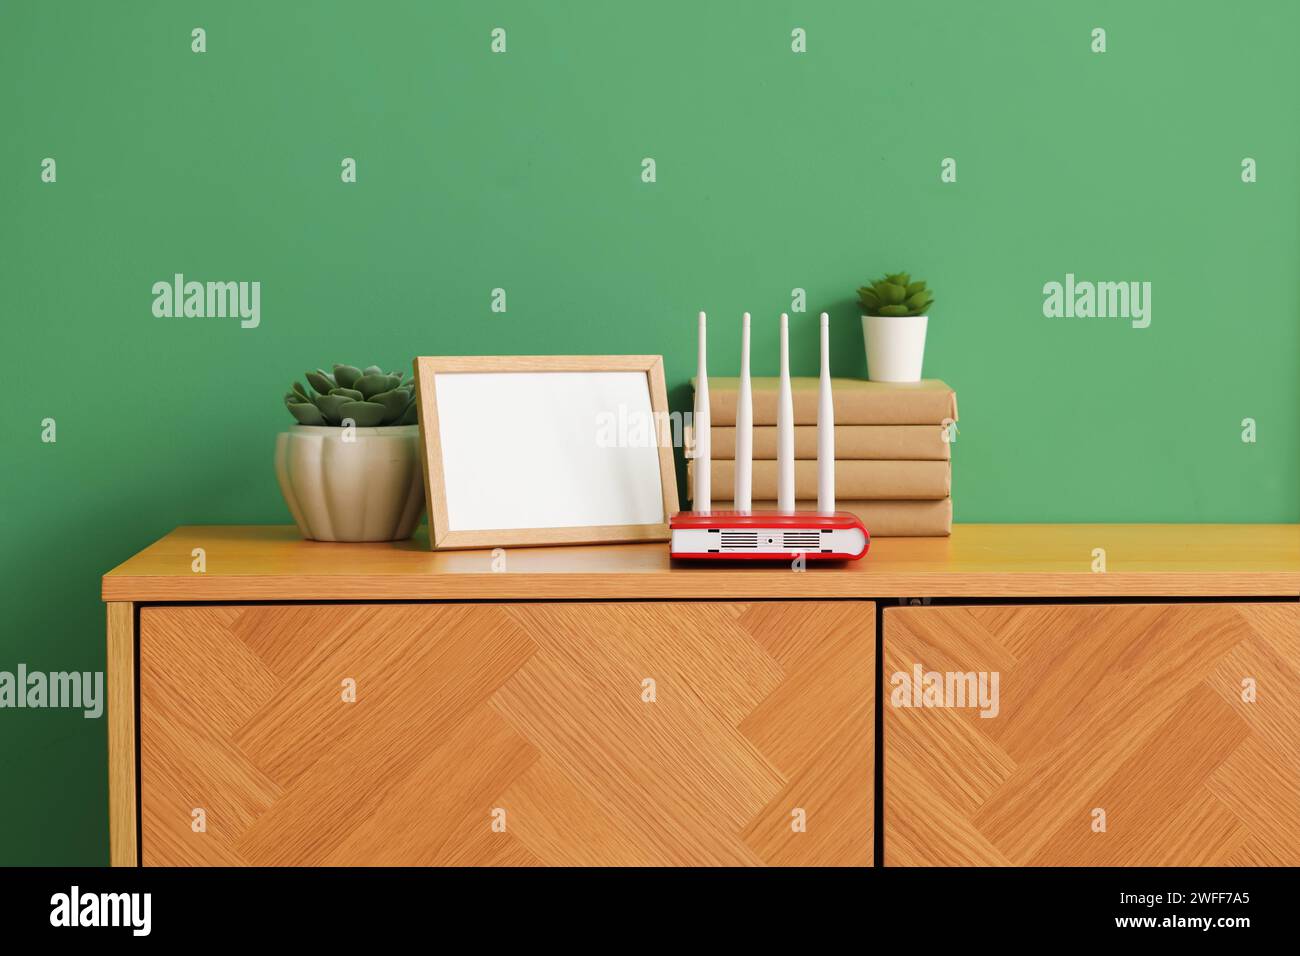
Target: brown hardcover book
x: 857, y: 401
x: 885, y: 519
x: 853, y: 479
x: 875, y: 442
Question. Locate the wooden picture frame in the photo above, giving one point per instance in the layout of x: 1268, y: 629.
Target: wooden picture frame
x: 432, y: 422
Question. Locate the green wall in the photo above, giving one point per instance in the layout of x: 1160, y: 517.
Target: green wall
x: 522, y: 170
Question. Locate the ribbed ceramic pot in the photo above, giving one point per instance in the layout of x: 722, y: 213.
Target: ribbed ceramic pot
x: 367, y: 489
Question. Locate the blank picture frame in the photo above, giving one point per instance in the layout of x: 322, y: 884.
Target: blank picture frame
x: 534, y: 450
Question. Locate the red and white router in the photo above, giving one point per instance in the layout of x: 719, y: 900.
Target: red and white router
x: 824, y: 534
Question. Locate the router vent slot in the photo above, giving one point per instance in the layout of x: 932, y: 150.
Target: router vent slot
x: 740, y: 539
x: 801, y: 539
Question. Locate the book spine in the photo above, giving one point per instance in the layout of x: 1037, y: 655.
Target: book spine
x: 887, y: 519
x: 850, y: 407
x: 853, y: 479
x: 868, y: 442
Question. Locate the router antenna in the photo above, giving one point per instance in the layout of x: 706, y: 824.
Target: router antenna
x: 701, y: 495
x: 825, y: 427
x: 743, y: 494
x: 785, y: 427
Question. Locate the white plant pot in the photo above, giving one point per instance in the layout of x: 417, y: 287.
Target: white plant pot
x: 368, y: 489
x: 895, y: 346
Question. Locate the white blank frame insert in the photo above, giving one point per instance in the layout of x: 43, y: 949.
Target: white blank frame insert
x: 545, y: 449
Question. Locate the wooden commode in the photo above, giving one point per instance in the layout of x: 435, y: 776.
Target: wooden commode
x: 274, y: 701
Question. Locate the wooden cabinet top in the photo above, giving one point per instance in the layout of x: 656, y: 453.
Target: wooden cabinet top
x: 272, y: 563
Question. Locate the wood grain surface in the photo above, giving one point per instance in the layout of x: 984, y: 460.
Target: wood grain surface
x: 247, y: 563
x: 120, y: 678
x: 534, y: 712
x: 1135, y: 710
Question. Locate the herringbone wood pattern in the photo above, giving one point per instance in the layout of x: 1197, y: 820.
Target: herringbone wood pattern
x: 536, y: 710
x: 1133, y: 709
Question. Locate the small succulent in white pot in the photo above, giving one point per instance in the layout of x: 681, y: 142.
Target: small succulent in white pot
x: 895, y: 314
x: 350, y: 469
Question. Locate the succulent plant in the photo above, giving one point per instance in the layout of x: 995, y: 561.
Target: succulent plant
x: 368, y: 397
x: 895, y: 294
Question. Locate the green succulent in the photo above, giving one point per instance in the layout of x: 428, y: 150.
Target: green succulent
x: 895, y: 294
x: 369, y: 397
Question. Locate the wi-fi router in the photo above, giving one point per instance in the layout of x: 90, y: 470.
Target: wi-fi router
x: 824, y: 534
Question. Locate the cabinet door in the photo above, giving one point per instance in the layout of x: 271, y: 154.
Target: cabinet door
x: 511, y: 734
x: 1161, y: 735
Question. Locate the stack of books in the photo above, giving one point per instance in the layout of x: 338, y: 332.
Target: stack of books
x: 893, y: 464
